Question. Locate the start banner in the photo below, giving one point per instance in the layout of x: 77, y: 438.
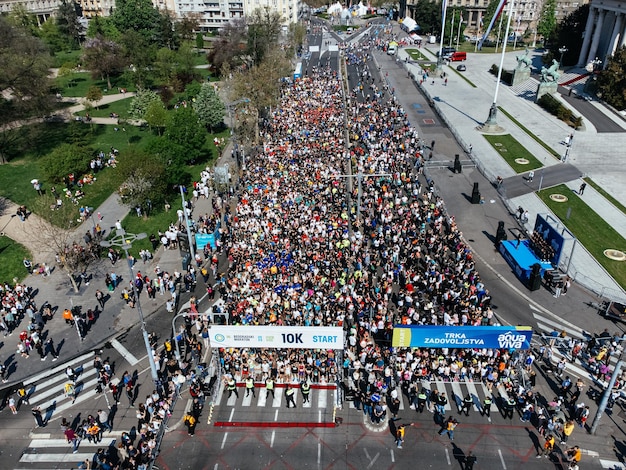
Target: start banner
x: 307, y: 337
x: 493, y: 337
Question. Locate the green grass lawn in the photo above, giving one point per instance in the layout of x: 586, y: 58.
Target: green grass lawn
x: 77, y: 84
x: 590, y: 229
x: 552, y: 152
x: 159, y: 220
x: 12, y: 255
x: 416, y: 54
x: 118, y: 107
x: 510, y: 149
x: 66, y: 57
x: 614, y: 201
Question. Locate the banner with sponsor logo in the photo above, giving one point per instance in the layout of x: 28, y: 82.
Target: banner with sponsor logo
x: 307, y: 337
x: 493, y: 337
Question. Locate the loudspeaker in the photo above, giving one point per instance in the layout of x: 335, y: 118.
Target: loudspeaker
x: 458, y: 168
x: 534, y: 281
x: 500, y: 233
x: 475, y: 194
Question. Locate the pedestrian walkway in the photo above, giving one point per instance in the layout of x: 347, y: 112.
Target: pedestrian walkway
x: 465, y: 108
x: 51, y: 450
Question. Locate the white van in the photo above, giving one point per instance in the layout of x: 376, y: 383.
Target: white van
x: 391, y: 50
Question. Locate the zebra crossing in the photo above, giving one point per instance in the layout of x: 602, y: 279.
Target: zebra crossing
x: 49, y: 450
x: 456, y: 391
x: 321, y: 398
x: 546, y: 326
x: 46, y: 389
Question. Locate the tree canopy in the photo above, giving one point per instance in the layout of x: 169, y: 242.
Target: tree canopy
x: 141, y: 102
x: 137, y: 15
x: 547, y: 21
x: 569, y: 33
x: 428, y: 15
x: 209, y: 107
x: 103, y: 57
x: 66, y: 159
x: 612, y: 80
x: 144, y: 178
x: 24, y: 83
x: 264, y: 27
x: 185, y: 130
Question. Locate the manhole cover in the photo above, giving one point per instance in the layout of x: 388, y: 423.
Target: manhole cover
x: 498, y: 144
x: 428, y: 121
x: 615, y: 255
x: 417, y: 105
x: 522, y: 161
x: 558, y: 197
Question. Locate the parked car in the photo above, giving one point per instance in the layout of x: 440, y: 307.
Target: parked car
x: 461, y: 68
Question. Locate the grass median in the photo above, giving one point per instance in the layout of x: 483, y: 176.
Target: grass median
x: 553, y: 152
x: 514, y: 153
x: 595, y: 234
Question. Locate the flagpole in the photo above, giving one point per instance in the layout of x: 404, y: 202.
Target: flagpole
x: 492, y: 121
x: 452, y: 27
x: 443, y: 23
x: 499, y: 30
x: 458, y: 33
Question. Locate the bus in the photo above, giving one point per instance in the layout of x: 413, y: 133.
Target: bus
x: 298, y: 73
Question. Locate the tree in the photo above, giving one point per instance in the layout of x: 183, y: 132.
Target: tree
x: 184, y: 129
x: 144, y: 178
x: 164, y: 65
x: 173, y: 156
x: 297, y: 33
x: 187, y: 26
x: 67, y: 21
x: 547, y: 21
x: 264, y: 27
x: 156, y: 116
x: 140, y: 55
x: 428, y: 15
x: 141, y: 102
x: 94, y: 94
x: 569, y: 33
x: 24, y: 82
x: 103, y: 58
x: 20, y: 17
x: 104, y: 27
x: 228, y: 49
x: 65, y: 159
x: 209, y: 107
x: 612, y: 80
x: 137, y: 15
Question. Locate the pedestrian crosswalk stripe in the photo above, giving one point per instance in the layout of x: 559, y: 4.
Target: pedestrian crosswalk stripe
x: 61, y: 458
x: 471, y: 389
x: 440, y: 385
x: 262, y: 397
x: 52, y: 443
x: 125, y: 353
x: 59, y: 368
x: 542, y: 323
x: 54, y: 387
x: 457, y: 395
x: 564, y: 323
x: 322, y: 398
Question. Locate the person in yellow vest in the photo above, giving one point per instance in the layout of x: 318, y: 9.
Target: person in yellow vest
x: 250, y: 386
x: 94, y: 434
x: 70, y: 391
x: 306, y: 390
x: 190, y: 422
x: 573, y: 455
x: 269, y: 387
x: 231, y: 386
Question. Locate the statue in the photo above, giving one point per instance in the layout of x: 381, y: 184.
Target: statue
x: 550, y: 74
x: 523, y: 61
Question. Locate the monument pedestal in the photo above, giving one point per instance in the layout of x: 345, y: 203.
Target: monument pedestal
x: 520, y: 76
x: 546, y: 88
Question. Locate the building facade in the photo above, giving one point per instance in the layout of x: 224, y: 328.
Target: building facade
x: 605, y: 31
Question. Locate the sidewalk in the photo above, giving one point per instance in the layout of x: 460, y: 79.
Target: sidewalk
x: 597, y: 155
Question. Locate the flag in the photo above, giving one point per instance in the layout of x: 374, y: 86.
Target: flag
x: 444, y: 5
x: 497, y: 13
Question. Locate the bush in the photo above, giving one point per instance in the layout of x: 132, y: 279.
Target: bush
x: 554, y: 107
x: 66, y: 159
x: 494, y: 69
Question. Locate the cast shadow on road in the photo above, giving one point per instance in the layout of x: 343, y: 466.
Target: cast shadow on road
x: 535, y: 440
x: 439, y: 100
x: 620, y: 449
x: 458, y: 455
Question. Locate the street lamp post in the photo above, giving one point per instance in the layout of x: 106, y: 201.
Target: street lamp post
x: 176, y: 345
x: 562, y: 50
x: 230, y: 107
x: 192, y: 251
x: 124, y: 240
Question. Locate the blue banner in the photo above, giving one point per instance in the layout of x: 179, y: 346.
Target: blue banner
x: 204, y: 239
x: 492, y: 337
x: 553, y: 238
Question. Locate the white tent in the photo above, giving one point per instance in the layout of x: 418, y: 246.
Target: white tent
x: 409, y: 24
x: 335, y: 9
x: 361, y: 9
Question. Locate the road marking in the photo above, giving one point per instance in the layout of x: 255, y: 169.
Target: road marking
x: 393, y: 457
x: 560, y: 320
x: 126, y: 354
x: 232, y: 413
x: 502, y: 459
x: 272, y: 439
x: 319, y: 452
x: 319, y: 416
x: 611, y: 464
x: 61, y: 367
x: 447, y: 455
x: 542, y: 322
x: 276, y: 416
x: 223, y: 440
x: 322, y: 398
x: 65, y: 458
